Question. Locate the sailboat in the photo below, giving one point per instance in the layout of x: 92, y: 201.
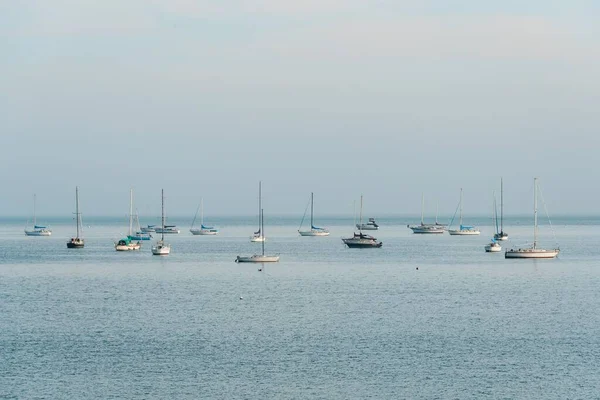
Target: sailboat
x: 259, y: 236
x: 501, y: 235
x: 426, y: 228
x: 361, y: 240
x: 494, y: 246
x: 533, y: 251
x: 203, y: 230
x: 259, y: 258
x: 463, y: 230
x: 314, y: 231
x: 128, y: 243
x: 77, y: 242
x: 161, y: 248
x: 139, y: 234
x: 37, y: 230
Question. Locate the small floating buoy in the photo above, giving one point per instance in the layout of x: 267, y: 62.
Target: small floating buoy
x: 241, y: 298
x: 260, y: 270
x: 417, y: 268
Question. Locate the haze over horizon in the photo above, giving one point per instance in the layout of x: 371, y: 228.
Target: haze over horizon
x: 387, y: 99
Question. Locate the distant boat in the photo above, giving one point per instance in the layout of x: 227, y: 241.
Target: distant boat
x: 424, y: 228
x: 259, y: 258
x: 38, y: 230
x: 77, y: 242
x: 501, y: 235
x: 533, y: 251
x: 128, y: 243
x: 139, y: 234
x: 371, y: 225
x: 258, y: 236
x: 161, y: 248
x: 203, y: 230
x: 494, y: 246
x: 361, y: 240
x: 148, y: 229
x: 314, y: 231
x: 168, y: 229
x: 463, y: 230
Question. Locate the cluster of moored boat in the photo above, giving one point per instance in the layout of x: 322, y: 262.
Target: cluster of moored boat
x: 133, y: 241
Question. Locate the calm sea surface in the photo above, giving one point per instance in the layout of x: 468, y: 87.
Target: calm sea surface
x: 325, y: 322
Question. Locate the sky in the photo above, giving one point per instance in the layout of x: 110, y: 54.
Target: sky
x: 389, y: 99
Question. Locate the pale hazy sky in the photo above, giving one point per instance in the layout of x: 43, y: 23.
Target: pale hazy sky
x: 341, y: 97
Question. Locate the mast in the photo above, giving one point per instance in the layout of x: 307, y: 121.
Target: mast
x: 34, y: 220
x: 495, y: 213
x: 460, y: 203
x: 501, y: 206
x: 77, y: 215
x: 422, y: 206
x: 437, y: 206
x: 202, y: 212
x: 360, y: 217
x: 535, y: 227
x: 130, y: 212
x: 262, y: 223
x: 259, y: 207
x: 311, y: 209
x: 162, y: 213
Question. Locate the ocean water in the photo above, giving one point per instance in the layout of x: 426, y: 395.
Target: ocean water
x: 325, y: 322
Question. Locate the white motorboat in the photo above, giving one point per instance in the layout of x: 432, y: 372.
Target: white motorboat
x: 424, y: 228
x: 501, y: 235
x: 167, y: 229
x: 128, y: 243
x: 259, y: 258
x: 38, y: 230
x: 77, y: 242
x: 463, y: 230
x: 203, y: 230
x: 533, y: 251
x: 314, y: 230
x: 493, y: 247
x: 258, y: 236
x: 161, y: 248
x: 148, y: 229
x: 371, y: 225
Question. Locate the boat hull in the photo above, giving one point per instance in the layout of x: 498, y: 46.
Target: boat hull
x: 493, y: 249
x: 424, y: 230
x: 531, y: 253
x: 366, y: 227
x: 203, y: 232
x: 258, y: 239
x: 313, y: 233
x: 464, y: 232
x: 38, y: 233
x: 167, y: 231
x: 501, y: 236
x: 257, y: 258
x: 362, y: 244
x: 128, y: 247
x: 75, y: 244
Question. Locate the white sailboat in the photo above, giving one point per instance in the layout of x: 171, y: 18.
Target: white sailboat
x: 38, y: 230
x: 259, y: 258
x: 493, y: 246
x: 361, y: 240
x: 259, y: 236
x: 501, y: 235
x: 203, y: 230
x: 534, y: 251
x: 128, y: 243
x: 427, y: 228
x: 77, y: 242
x: 463, y: 230
x: 314, y: 230
x: 161, y: 248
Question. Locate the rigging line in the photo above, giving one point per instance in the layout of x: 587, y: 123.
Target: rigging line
x: 452, y: 220
x: 195, y: 216
x: 547, y: 215
x: 304, y: 216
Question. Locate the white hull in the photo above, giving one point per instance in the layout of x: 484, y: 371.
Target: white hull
x: 257, y: 258
x: 531, y: 253
x: 498, y: 236
x: 258, y: 239
x: 38, y: 233
x: 464, y: 232
x: 366, y: 227
x: 426, y: 229
x: 313, y: 233
x: 493, y: 249
x: 128, y: 247
x: 161, y: 249
x: 168, y: 231
x: 196, y: 231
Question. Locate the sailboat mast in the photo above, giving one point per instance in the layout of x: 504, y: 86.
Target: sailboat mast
x: 130, y: 212
x: 501, y: 206
x: 262, y: 227
x: 535, y: 225
x: 460, y: 218
x: 201, y: 212
x: 495, y: 213
x: 162, y: 214
x: 34, y: 220
x: 77, y: 208
x: 360, y: 217
x: 259, y: 206
x: 311, y: 209
x: 422, y: 206
x: 437, y: 207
